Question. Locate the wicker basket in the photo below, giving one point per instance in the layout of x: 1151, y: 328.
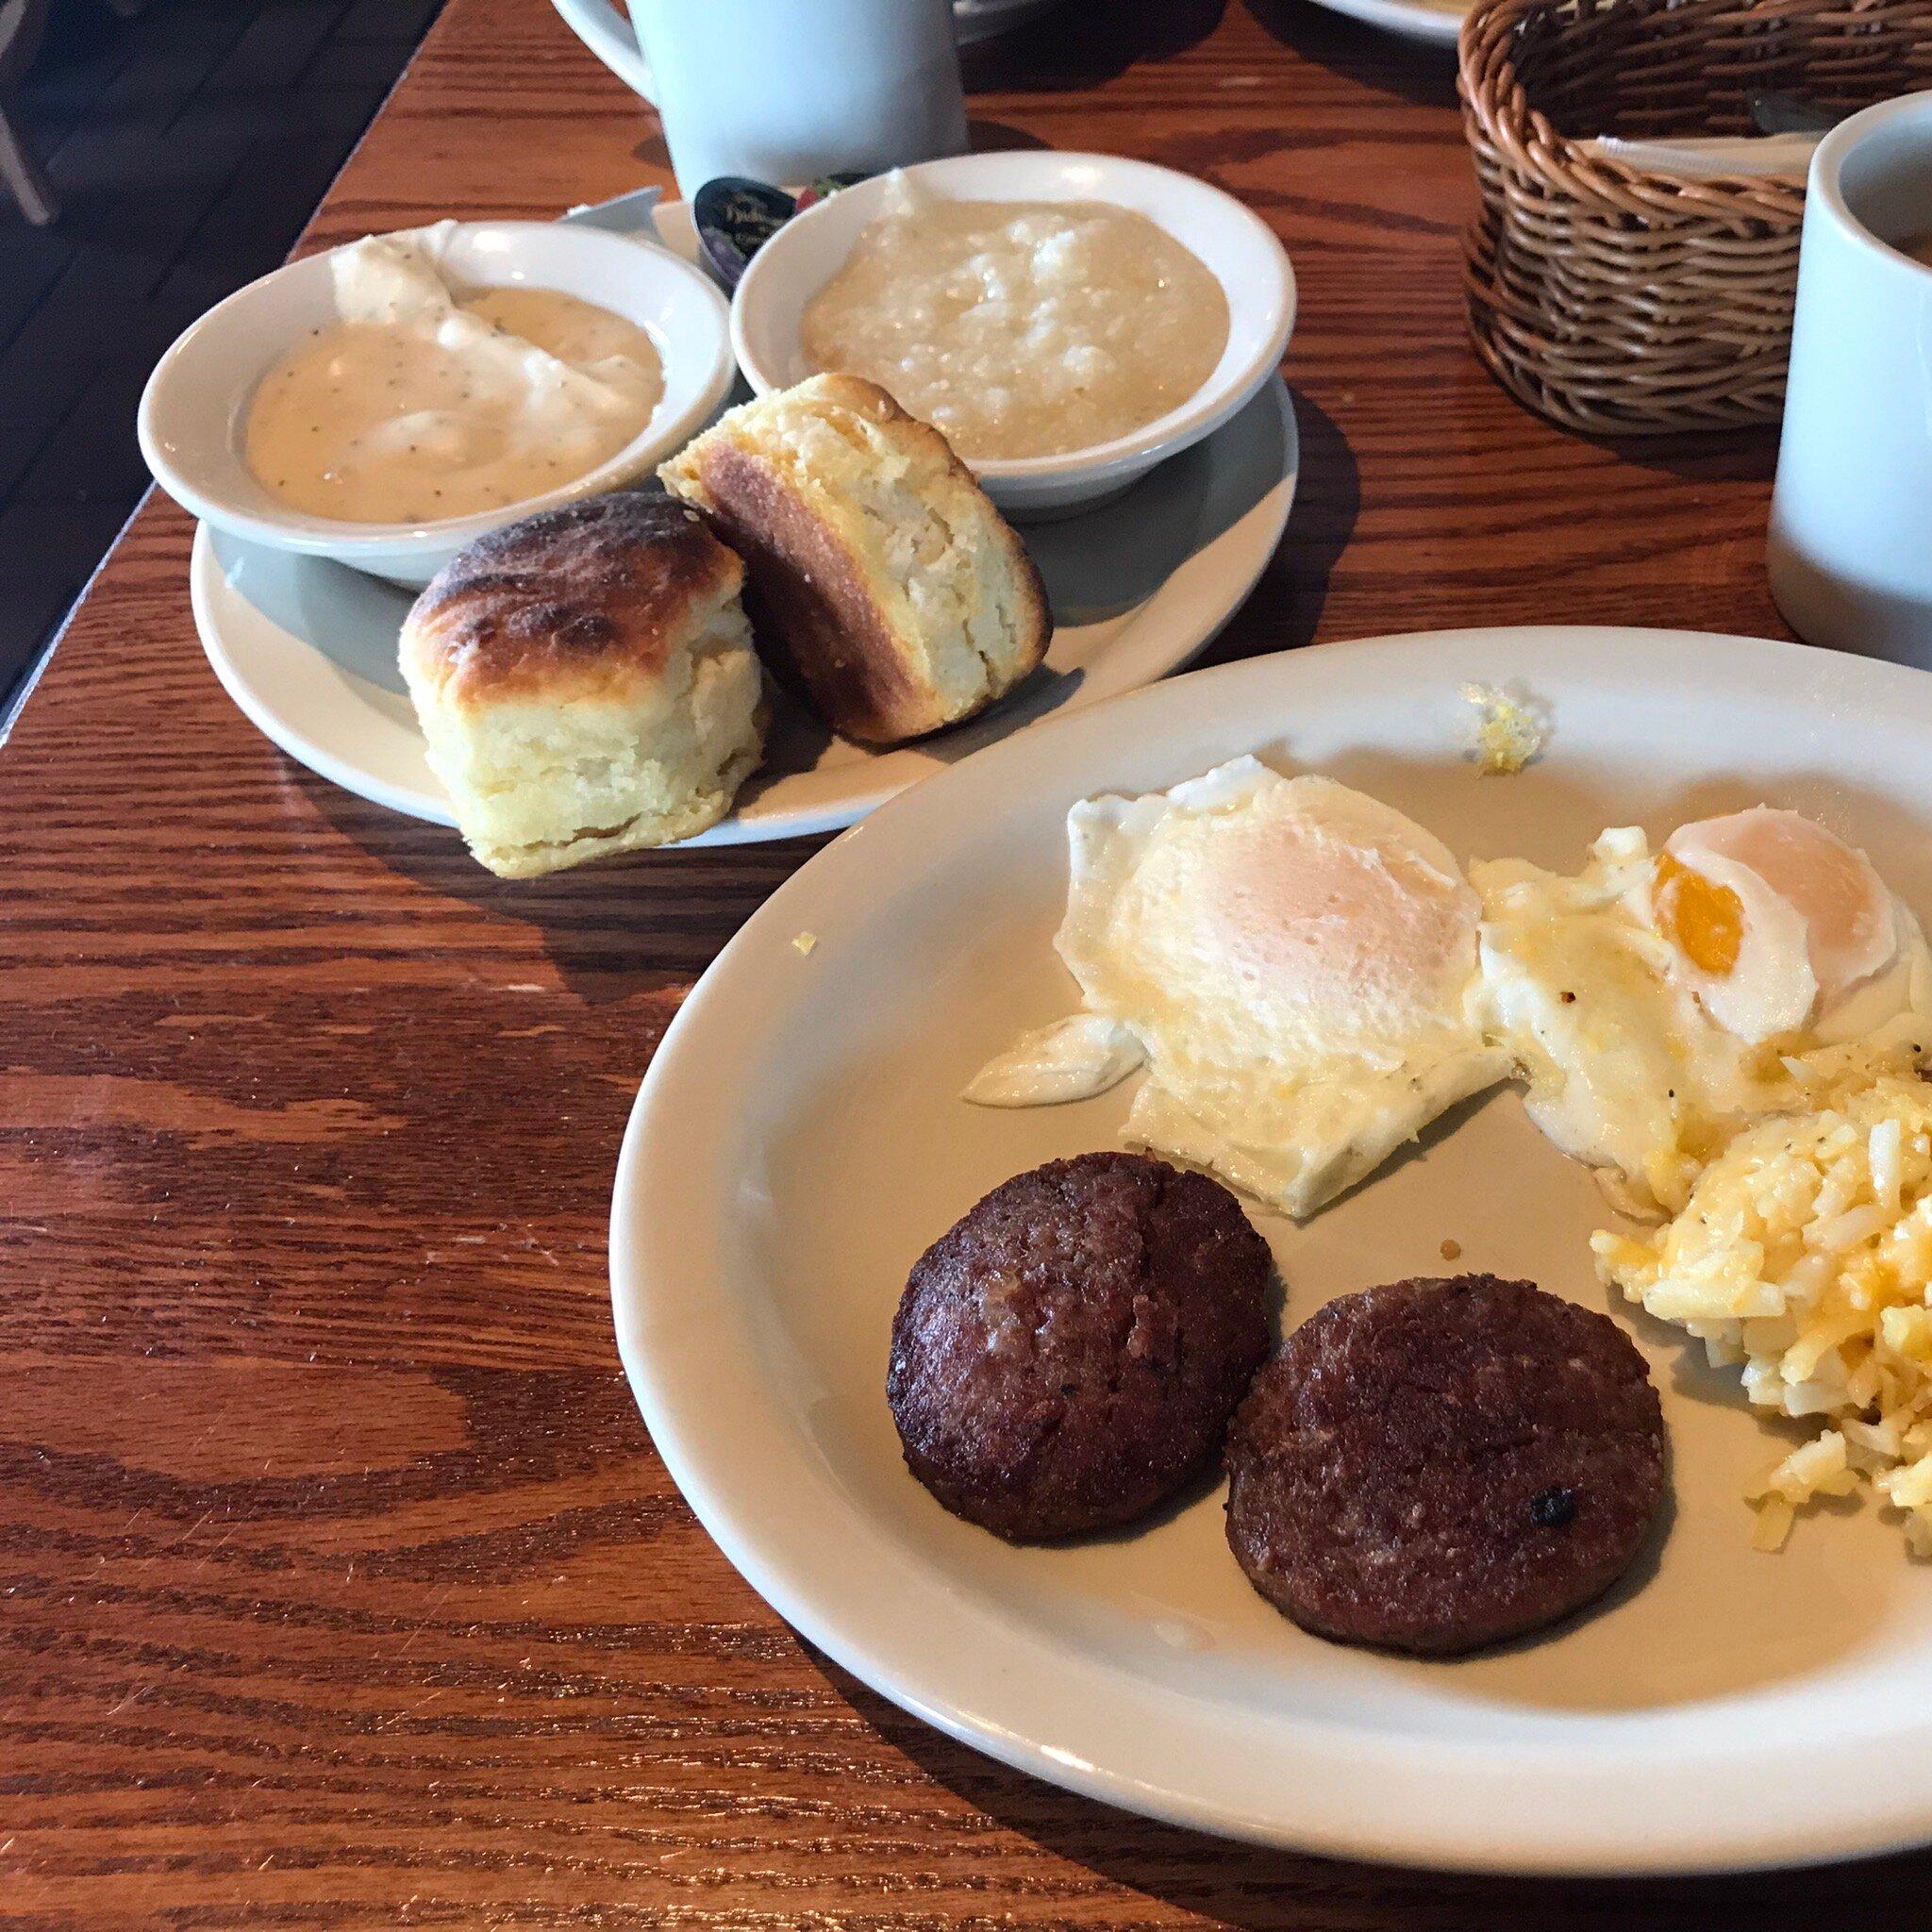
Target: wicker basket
x: 1612, y: 300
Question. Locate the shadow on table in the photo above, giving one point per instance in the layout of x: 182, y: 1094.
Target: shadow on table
x: 999, y: 137
x: 1284, y: 610
x: 1416, y: 70
x: 1256, y: 1889
x: 1698, y: 456
x: 609, y: 930
x: 1712, y: 455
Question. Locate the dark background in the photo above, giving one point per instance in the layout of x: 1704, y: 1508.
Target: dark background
x: 188, y: 144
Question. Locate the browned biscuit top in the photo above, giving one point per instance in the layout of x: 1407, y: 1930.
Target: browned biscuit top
x: 864, y: 397
x: 568, y: 597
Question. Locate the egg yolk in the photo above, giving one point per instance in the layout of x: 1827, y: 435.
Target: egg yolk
x: 1704, y: 920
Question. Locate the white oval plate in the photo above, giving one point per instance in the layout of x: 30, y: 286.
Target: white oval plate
x: 797, y: 1143
x: 1438, y: 22
x: 307, y: 648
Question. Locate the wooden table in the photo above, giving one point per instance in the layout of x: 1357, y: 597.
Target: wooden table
x: 339, y: 1583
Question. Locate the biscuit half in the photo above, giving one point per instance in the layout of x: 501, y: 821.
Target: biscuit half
x: 883, y: 583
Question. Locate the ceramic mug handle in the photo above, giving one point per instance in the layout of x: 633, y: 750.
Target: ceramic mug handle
x: 612, y: 38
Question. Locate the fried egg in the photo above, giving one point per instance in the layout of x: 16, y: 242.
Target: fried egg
x: 1771, y: 920
x: 1657, y: 1002
x: 1293, y: 963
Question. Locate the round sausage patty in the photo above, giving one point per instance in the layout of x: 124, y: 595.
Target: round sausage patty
x: 1070, y: 1352
x: 1438, y: 1465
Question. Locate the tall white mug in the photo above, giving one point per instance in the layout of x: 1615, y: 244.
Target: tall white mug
x: 786, y: 90
x: 1849, y: 552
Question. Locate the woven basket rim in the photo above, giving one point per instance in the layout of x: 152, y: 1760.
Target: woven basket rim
x: 1494, y: 100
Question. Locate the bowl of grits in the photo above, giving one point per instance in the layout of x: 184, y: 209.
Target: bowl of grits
x: 1067, y: 320
x: 386, y: 403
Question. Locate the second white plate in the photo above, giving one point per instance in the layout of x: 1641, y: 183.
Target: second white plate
x: 308, y: 649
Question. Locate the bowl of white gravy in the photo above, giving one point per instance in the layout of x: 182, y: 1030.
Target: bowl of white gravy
x: 388, y: 402
x: 1066, y: 320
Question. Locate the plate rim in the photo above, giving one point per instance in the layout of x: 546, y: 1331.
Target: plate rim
x: 1438, y: 1831
x: 1431, y: 26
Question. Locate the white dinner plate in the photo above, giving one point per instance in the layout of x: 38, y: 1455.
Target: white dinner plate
x: 308, y: 648
x: 1436, y: 20
x: 798, y: 1140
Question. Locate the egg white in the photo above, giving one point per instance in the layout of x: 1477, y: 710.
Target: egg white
x: 1627, y: 1066
x: 1295, y: 962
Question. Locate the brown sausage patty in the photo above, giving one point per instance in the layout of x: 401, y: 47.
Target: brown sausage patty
x: 1438, y: 1465
x: 1070, y: 1352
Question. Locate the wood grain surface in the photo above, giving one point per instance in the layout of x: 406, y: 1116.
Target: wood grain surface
x: 340, y: 1585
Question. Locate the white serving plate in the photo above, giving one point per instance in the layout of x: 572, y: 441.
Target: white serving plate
x: 308, y: 648
x: 797, y: 1143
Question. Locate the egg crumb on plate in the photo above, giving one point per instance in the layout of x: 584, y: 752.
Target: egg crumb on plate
x: 1804, y: 1253
x: 1509, y: 733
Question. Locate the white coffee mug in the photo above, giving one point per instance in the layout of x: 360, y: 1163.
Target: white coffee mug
x: 1849, y: 551
x: 785, y: 90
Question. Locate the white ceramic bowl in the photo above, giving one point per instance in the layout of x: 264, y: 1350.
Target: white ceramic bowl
x: 194, y: 411
x: 1237, y: 246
